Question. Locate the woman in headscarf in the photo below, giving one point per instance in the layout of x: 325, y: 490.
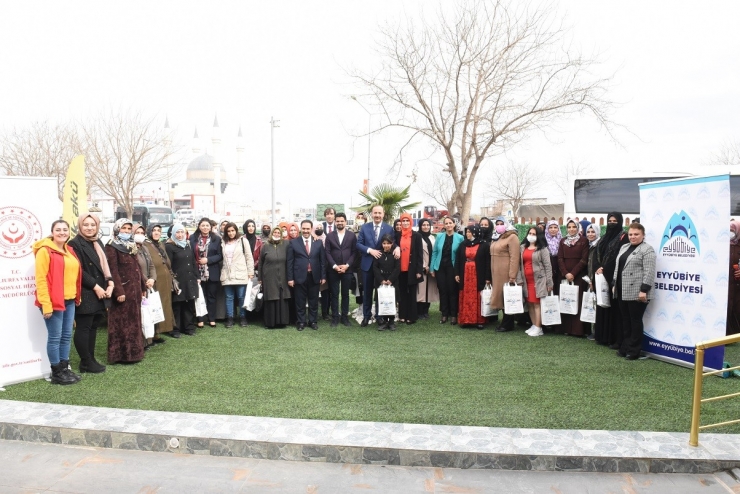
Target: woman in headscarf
x: 505, y: 261
x: 207, y: 248
x: 733, y: 286
x: 573, y: 261
x: 294, y: 231
x: 535, y: 274
x: 283, y: 225
x: 255, y: 243
x: 608, y: 327
x: 163, y: 284
x: 185, y: 270
x: 486, y: 230
x: 411, y: 269
x: 553, y: 237
x: 428, y: 291
x: 397, y: 225
x: 273, y: 277
x: 146, y: 265
x: 473, y: 272
x: 125, y: 339
x: 58, y: 291
x: 97, y: 288
x: 593, y: 232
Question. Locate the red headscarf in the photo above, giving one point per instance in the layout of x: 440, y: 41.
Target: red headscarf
x: 406, y: 242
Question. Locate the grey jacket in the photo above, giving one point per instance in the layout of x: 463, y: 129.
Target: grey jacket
x: 638, y: 270
x: 542, y: 272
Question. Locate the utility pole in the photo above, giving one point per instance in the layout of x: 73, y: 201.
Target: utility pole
x: 273, y: 125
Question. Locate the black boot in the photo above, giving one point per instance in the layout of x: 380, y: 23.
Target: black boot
x: 58, y: 376
x: 229, y: 322
x: 65, y: 368
x: 243, y: 322
x: 91, y: 366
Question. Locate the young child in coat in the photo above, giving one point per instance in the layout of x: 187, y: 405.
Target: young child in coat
x: 386, y: 269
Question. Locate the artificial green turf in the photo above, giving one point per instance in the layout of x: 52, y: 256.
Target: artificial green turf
x: 423, y: 373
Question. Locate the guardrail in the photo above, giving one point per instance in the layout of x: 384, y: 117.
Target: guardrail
x: 699, y: 376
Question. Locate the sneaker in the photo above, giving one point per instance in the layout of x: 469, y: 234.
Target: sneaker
x: 537, y: 332
x: 532, y: 329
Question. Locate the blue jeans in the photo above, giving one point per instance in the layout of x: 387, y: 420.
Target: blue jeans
x: 59, y: 327
x: 237, y: 291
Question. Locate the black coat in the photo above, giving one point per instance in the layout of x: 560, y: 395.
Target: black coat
x: 214, y: 255
x: 416, y: 260
x: 482, y: 264
x: 386, y: 267
x: 92, y: 274
x: 184, y: 269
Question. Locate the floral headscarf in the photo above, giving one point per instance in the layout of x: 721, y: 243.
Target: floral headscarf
x: 570, y: 240
x: 128, y: 246
x: 272, y: 233
x: 553, y: 241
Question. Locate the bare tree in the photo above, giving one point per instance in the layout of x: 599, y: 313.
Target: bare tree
x: 563, y: 177
x: 40, y: 150
x: 479, y: 80
x: 124, y: 150
x: 728, y: 154
x: 513, y: 182
x: 437, y: 185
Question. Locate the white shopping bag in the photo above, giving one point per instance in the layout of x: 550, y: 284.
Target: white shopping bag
x: 147, y: 326
x: 513, y: 299
x: 247, y: 294
x: 200, y: 304
x: 550, y: 307
x: 588, y: 307
x: 602, y: 291
x: 485, y: 302
x: 386, y: 300
x: 568, y: 298
x: 155, y: 306
x: 251, y: 299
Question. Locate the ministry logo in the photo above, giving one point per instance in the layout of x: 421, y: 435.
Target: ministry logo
x: 680, y: 237
x: 19, y: 229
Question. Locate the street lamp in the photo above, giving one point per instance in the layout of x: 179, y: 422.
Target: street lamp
x: 273, y: 124
x: 369, y: 131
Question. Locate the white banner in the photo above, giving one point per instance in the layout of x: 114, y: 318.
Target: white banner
x: 687, y: 223
x: 28, y: 206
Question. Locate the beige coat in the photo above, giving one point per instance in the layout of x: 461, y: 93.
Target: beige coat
x: 427, y: 289
x: 505, y: 261
x: 542, y: 272
x: 241, y: 268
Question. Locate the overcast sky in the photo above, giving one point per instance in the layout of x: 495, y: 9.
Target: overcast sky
x: 678, y: 79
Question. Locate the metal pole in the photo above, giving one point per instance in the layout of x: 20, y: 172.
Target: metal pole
x: 369, y: 135
x: 273, y: 124
x: 696, y: 401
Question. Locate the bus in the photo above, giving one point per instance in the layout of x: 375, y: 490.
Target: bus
x: 149, y: 214
x: 590, y: 197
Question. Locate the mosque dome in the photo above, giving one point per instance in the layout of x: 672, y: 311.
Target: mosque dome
x: 204, y: 162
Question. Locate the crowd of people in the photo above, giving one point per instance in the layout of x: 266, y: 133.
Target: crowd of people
x: 298, y: 274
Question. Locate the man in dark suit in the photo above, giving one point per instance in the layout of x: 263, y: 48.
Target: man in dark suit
x: 368, y: 244
x: 306, y: 269
x: 327, y: 227
x: 341, y: 246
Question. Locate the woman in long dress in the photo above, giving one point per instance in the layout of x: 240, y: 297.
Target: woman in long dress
x: 163, y: 284
x: 185, y: 270
x: 608, y: 327
x: 125, y: 339
x: 444, y: 258
x: 473, y: 273
x: 573, y: 260
x: 411, y: 273
x: 274, y: 280
x: 733, y: 286
x: 505, y: 256
x: 428, y: 291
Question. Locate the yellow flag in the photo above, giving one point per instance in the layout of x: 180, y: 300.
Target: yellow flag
x: 75, y: 193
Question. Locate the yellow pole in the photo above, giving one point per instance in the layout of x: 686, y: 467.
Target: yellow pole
x: 696, y: 406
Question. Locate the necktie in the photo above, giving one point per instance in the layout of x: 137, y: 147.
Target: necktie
x: 328, y: 228
x: 377, y: 228
x: 308, y: 252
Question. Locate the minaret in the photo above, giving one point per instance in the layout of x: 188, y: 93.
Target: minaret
x: 168, y: 160
x: 240, y: 168
x: 216, y: 142
x: 196, y: 143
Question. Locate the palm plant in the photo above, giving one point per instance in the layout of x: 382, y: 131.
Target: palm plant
x: 391, y: 198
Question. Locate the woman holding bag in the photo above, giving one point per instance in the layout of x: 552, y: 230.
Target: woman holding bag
x: 163, y: 285
x: 237, y: 270
x: 146, y: 265
x: 535, y: 275
x: 473, y: 274
x: 608, y: 327
x: 207, y: 248
x: 572, y: 261
x: 186, y: 272
x: 505, y: 263
x: 593, y: 234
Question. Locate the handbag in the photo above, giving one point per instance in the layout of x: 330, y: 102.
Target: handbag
x: 200, y: 303
x: 550, y: 310
x: 568, y: 298
x: 247, y: 295
x: 588, y: 307
x: 147, y: 326
x: 513, y: 299
x: 251, y: 299
x: 602, y: 291
x: 155, y: 306
x: 386, y: 300
x: 485, y: 301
